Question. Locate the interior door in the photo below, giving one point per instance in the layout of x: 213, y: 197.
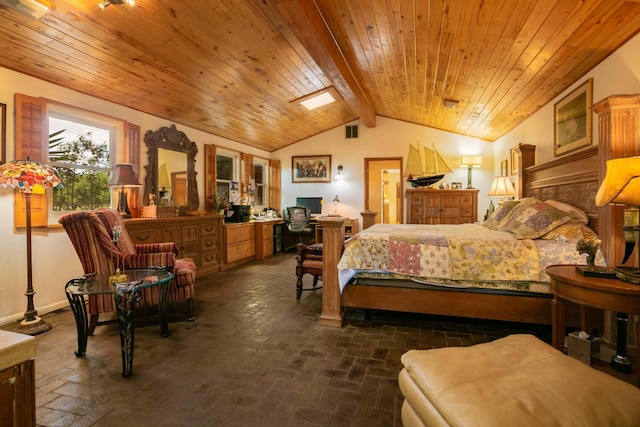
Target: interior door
x: 383, y: 188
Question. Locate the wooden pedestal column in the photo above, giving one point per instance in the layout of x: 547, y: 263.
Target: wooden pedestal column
x: 332, y: 244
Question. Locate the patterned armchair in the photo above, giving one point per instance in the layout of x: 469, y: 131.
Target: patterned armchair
x: 91, y: 235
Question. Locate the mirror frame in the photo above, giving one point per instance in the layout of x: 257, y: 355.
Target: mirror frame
x: 171, y: 138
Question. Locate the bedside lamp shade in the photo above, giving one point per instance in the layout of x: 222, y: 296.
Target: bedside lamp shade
x: 123, y: 176
x: 501, y: 187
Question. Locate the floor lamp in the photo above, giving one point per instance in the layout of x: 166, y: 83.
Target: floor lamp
x: 29, y: 177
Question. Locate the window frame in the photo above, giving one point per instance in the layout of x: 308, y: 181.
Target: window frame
x: 232, y: 154
x: 265, y: 184
x: 32, y: 140
x: 115, y: 127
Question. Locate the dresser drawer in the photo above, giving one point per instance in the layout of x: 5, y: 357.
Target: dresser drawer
x: 209, y: 245
x: 240, y: 251
x: 150, y: 235
x: 208, y: 230
x: 209, y: 261
x: 240, y: 233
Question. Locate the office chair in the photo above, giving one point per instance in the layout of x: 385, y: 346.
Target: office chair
x: 298, y: 222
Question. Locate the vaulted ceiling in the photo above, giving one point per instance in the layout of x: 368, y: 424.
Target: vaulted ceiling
x: 234, y: 67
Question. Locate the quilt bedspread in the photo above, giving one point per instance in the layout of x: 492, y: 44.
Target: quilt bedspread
x: 464, y: 252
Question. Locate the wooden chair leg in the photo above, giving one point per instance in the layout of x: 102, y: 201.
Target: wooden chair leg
x: 299, y: 287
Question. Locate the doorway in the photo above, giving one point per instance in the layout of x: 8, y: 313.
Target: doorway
x: 383, y: 188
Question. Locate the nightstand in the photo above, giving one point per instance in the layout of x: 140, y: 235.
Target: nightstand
x: 607, y: 294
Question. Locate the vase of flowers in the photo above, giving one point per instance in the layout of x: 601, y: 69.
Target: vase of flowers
x: 218, y: 203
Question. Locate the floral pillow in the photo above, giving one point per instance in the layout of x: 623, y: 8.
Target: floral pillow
x: 500, y: 213
x: 532, y: 218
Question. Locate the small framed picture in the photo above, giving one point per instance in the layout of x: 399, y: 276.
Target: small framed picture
x: 504, y: 169
x: 514, y: 160
x: 456, y: 185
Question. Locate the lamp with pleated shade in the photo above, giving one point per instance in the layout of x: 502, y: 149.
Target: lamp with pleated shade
x: 501, y: 187
x: 123, y: 176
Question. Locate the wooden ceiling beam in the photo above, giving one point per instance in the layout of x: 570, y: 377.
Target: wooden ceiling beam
x: 307, y: 23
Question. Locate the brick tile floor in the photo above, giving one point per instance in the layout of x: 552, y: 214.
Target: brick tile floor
x: 254, y: 356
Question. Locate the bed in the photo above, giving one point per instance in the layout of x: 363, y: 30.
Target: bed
x: 572, y: 179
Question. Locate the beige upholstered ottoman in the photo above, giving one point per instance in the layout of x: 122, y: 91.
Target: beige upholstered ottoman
x: 514, y: 381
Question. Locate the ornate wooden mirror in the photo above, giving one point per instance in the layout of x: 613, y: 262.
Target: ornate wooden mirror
x: 171, y: 175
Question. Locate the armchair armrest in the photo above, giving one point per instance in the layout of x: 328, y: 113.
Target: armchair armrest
x: 150, y: 248
x: 156, y: 259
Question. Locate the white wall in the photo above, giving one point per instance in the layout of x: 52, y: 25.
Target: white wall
x: 390, y: 138
x: 617, y: 75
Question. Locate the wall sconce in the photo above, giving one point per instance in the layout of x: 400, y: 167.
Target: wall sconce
x: 105, y: 4
x: 470, y: 162
x: 123, y: 176
x: 338, y: 176
x: 501, y: 187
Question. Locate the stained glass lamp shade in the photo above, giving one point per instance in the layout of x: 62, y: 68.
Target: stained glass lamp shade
x: 29, y: 176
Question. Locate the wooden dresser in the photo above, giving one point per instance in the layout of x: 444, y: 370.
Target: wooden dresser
x: 197, y: 237
x: 427, y: 206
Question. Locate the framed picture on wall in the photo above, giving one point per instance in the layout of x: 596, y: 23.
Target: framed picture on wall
x: 3, y: 133
x: 572, y: 120
x: 311, y: 168
x: 513, y: 154
x: 504, y: 170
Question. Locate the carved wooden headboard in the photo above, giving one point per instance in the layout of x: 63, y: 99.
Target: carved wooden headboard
x: 570, y: 179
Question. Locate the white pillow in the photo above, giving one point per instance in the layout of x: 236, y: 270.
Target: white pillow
x: 575, y: 213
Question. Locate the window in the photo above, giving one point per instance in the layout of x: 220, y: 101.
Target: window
x: 261, y: 178
x: 226, y: 170
x: 81, y: 148
x: 86, y: 150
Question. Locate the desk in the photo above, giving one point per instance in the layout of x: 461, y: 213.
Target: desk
x: 125, y: 298
x: 265, y: 235
x: 606, y: 294
x: 351, y: 228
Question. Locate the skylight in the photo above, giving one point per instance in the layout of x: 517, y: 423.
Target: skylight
x: 318, y: 101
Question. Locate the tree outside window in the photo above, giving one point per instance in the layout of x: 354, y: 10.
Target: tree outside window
x: 80, y: 153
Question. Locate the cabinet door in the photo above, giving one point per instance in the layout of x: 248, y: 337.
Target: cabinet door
x: 432, y: 207
x: 450, y: 213
x: 415, y: 209
x: 466, y: 209
x: 189, y: 235
x: 171, y: 234
x: 17, y: 395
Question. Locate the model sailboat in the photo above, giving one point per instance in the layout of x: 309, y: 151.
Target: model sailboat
x: 425, y: 166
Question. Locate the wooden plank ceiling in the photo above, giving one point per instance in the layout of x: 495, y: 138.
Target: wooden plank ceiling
x: 233, y: 67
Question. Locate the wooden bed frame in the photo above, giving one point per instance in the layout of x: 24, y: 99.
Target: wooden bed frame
x: 571, y: 179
